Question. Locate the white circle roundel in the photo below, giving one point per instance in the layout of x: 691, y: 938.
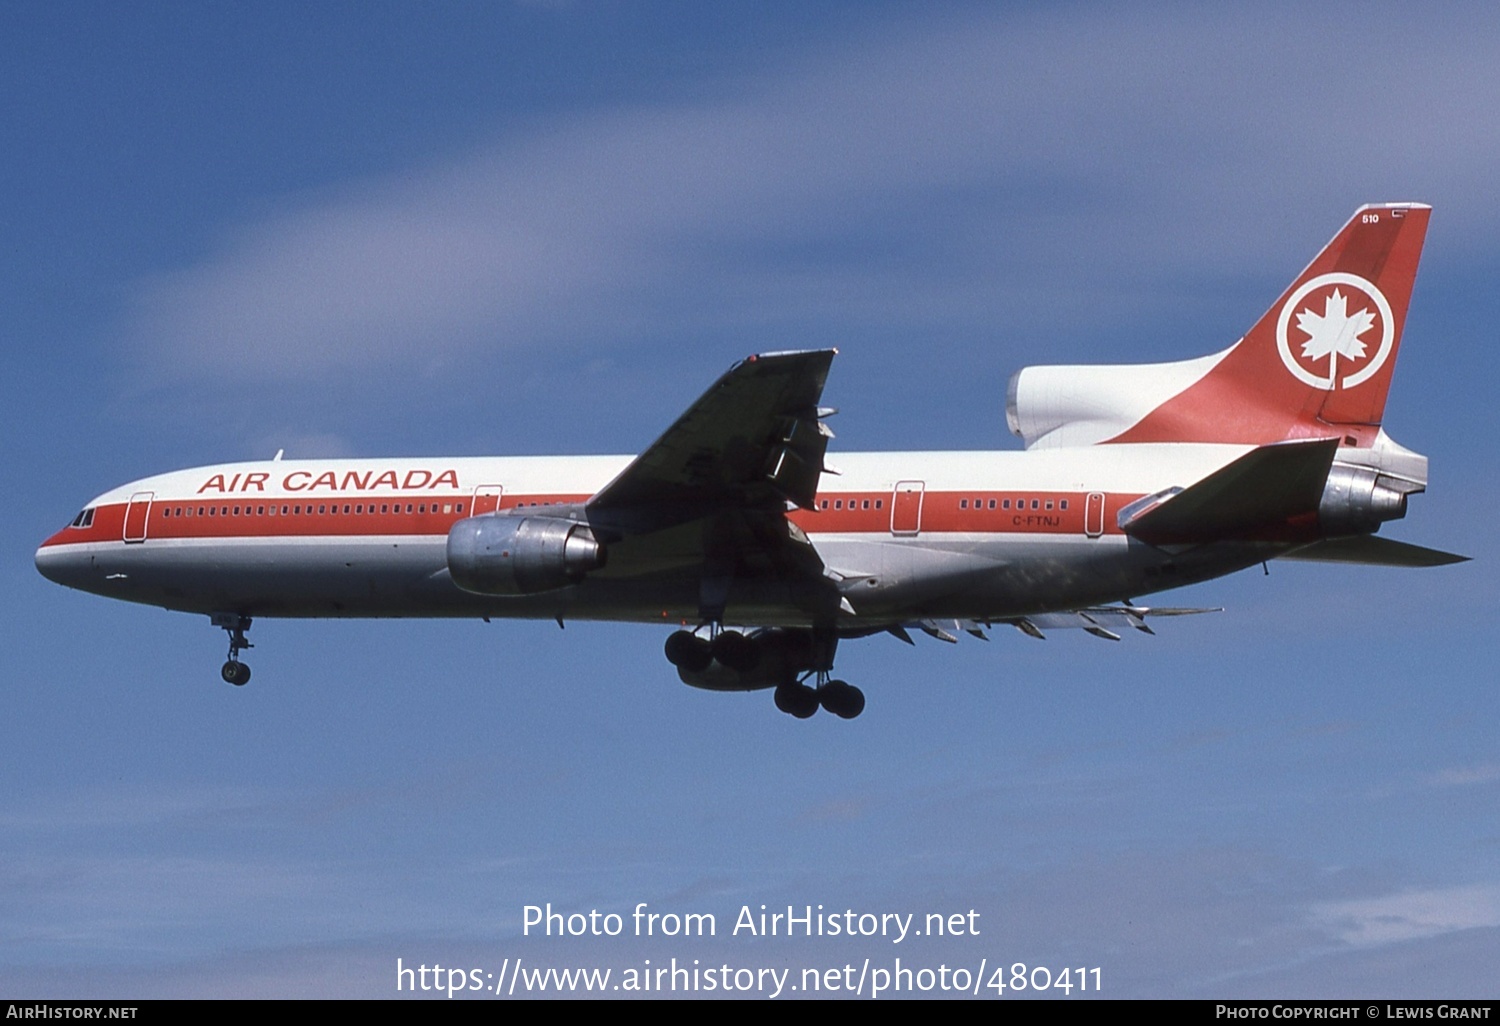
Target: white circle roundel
x: 1335, y: 331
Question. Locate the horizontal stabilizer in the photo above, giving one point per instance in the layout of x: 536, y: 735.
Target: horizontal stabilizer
x: 1373, y: 551
x: 1262, y: 489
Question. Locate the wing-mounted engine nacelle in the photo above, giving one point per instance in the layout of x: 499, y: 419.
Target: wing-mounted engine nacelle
x: 510, y: 555
x: 1357, y: 500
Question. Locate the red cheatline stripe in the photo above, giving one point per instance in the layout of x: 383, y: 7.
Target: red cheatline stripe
x: 862, y: 513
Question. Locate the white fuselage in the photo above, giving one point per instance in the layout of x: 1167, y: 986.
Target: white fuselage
x: 906, y: 535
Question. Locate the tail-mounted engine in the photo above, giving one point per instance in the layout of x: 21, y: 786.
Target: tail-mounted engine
x: 508, y: 555
x: 1357, y: 500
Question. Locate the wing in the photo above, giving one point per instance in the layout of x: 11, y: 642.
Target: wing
x: 753, y: 440
x: 710, y: 495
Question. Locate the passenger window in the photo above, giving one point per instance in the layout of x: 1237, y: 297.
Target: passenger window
x: 963, y: 503
x: 1063, y: 504
x: 865, y: 504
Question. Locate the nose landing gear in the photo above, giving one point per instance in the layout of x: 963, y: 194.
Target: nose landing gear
x: 234, y: 672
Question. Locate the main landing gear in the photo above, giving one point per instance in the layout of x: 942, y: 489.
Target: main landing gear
x: 234, y: 672
x: 842, y: 699
x: 776, y: 657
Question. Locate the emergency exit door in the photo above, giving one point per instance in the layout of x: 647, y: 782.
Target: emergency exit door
x: 906, y: 507
x: 487, y: 498
x: 136, y: 516
x: 1093, y: 515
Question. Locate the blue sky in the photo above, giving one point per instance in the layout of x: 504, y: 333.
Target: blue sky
x: 544, y: 228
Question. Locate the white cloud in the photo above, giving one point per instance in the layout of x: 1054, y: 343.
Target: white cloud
x: 1411, y: 915
x: 1184, y: 143
x: 1464, y: 776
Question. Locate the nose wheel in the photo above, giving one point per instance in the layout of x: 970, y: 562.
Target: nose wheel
x: 233, y: 671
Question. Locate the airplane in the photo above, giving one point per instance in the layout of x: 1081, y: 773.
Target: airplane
x: 733, y: 528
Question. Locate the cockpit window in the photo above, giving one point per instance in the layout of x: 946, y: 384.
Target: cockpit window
x: 84, y: 518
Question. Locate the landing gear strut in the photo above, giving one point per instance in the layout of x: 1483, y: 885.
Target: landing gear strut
x: 797, y: 662
x: 842, y: 699
x: 801, y: 699
x: 234, y: 672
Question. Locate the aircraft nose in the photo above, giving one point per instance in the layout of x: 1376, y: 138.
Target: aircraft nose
x: 63, y: 564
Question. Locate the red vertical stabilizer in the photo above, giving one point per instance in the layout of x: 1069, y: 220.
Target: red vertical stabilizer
x: 1319, y: 363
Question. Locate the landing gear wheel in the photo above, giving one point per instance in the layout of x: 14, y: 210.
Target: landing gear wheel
x: 797, y: 700
x: 734, y: 650
x: 842, y: 699
x: 235, y: 625
x: 686, y: 651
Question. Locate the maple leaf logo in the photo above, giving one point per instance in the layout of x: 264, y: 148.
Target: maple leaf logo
x: 1335, y: 332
